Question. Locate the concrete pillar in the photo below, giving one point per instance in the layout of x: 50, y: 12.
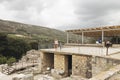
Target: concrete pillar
x: 67, y: 37
x: 82, y: 37
x: 102, y: 35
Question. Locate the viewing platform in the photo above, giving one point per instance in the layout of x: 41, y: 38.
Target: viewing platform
x: 84, y: 50
x: 82, y: 57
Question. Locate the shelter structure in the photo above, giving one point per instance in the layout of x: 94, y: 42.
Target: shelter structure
x: 107, y: 31
x: 83, y: 61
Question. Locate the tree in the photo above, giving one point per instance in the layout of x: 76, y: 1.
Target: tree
x: 3, y: 60
x: 34, y: 45
x: 10, y: 61
x: 14, y: 47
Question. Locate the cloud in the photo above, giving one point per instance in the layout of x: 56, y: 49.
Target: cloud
x: 62, y: 14
x: 5, y: 13
x: 97, y: 12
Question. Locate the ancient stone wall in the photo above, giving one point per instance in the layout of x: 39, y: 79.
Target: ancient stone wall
x: 81, y: 66
x: 47, y: 61
x: 100, y: 64
x: 61, y: 62
x: 115, y: 77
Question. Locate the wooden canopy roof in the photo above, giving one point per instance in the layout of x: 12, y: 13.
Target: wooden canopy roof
x: 97, y: 32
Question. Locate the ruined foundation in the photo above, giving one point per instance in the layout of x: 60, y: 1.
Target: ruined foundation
x: 86, y: 66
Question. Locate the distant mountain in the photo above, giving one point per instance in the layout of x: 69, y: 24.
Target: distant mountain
x: 36, y: 32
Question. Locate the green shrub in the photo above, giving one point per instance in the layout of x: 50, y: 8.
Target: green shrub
x: 3, y: 60
x: 11, y: 60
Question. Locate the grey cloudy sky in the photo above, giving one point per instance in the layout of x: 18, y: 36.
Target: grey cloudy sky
x: 62, y: 14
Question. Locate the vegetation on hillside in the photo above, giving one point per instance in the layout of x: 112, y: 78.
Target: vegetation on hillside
x: 12, y: 49
x: 17, y: 38
x: 36, y: 32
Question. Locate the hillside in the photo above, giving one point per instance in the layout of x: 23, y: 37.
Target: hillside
x: 36, y: 32
x: 17, y: 38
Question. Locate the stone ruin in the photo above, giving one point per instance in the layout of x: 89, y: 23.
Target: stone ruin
x: 31, y: 55
x: 30, y: 59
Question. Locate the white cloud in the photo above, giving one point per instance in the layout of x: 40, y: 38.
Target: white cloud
x: 61, y: 13
x: 114, y: 18
x: 6, y: 14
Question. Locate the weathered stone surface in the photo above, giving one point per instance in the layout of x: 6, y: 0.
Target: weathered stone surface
x: 108, y: 75
x: 100, y: 64
x: 44, y: 77
x: 47, y: 61
x: 56, y: 73
x: 81, y: 66
x: 85, y: 66
x: 23, y: 77
x: 115, y: 77
x: 61, y: 63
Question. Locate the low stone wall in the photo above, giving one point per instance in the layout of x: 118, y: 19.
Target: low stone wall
x: 115, y: 77
x: 110, y: 74
x: 89, y: 66
x: 100, y: 64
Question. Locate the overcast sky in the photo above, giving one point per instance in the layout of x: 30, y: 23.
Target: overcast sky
x: 62, y: 14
